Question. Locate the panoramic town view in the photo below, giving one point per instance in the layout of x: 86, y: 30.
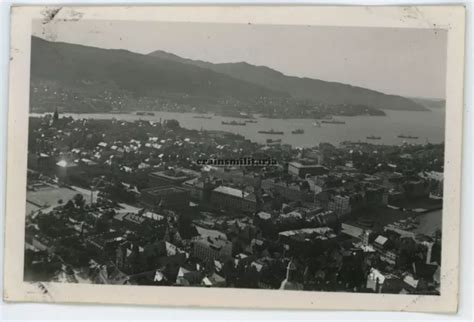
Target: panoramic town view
x: 179, y: 167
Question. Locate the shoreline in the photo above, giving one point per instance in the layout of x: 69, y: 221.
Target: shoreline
x: 250, y: 116
x: 355, y: 129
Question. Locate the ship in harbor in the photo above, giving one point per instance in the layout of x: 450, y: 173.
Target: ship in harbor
x: 234, y: 123
x: 333, y: 122
x: 207, y: 117
x: 272, y: 131
x: 403, y: 136
x: 145, y: 113
x: 251, y: 121
x: 317, y: 124
x: 373, y: 137
x: 297, y: 131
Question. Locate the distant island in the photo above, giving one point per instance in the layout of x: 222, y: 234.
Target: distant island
x: 83, y: 79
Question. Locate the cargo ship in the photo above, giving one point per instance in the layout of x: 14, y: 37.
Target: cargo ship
x: 272, y: 131
x: 202, y: 117
x: 332, y: 122
x: 403, y: 136
x: 297, y: 131
x: 372, y: 137
x: 234, y: 123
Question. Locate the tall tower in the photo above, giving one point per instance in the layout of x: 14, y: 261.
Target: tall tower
x: 56, y: 115
x: 365, y: 237
x: 289, y: 283
x: 290, y: 269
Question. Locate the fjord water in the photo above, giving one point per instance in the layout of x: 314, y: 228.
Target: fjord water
x: 428, y: 126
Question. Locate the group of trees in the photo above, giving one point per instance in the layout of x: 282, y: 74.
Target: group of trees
x: 74, y: 251
x: 40, y: 266
x: 118, y: 192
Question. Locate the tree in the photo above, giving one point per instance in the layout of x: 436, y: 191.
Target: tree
x: 437, y: 235
x: 118, y: 192
x: 185, y: 226
x: 250, y: 277
x: 172, y: 124
x: 109, y: 215
x: 102, y: 224
x: 51, y: 226
x: 79, y: 200
x: 305, y: 186
x: 229, y: 272
x: 69, y: 205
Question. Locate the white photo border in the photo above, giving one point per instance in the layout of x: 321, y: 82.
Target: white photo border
x: 451, y: 18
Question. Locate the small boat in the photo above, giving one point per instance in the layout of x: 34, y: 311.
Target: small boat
x: 317, y: 124
x: 372, y: 137
x: 202, y: 117
x: 251, y: 121
x: 403, y: 136
x: 150, y: 113
x: 332, y: 122
x: 234, y: 123
x: 272, y: 131
x: 140, y: 113
x: 297, y: 131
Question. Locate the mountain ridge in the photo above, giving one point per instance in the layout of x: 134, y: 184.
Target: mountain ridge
x: 96, y: 79
x: 92, y: 70
x: 327, y: 92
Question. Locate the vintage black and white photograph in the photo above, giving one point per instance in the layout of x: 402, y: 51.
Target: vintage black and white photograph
x: 235, y: 155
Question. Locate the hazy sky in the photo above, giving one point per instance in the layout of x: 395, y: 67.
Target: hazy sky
x: 408, y: 62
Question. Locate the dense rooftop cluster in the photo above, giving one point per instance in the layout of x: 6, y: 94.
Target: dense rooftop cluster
x: 116, y: 202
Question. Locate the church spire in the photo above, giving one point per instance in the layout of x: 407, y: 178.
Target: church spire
x: 289, y: 269
x: 289, y: 283
x: 56, y: 114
